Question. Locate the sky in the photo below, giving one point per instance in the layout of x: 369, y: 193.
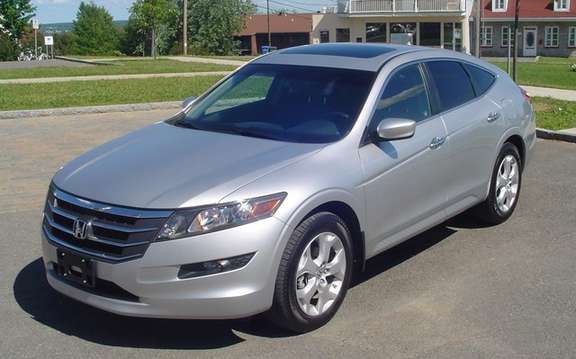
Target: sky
x: 51, y: 11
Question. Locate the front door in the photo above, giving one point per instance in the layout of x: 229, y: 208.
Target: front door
x: 530, y: 41
x: 403, y: 178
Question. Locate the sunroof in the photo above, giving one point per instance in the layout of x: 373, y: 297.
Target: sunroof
x: 346, y: 50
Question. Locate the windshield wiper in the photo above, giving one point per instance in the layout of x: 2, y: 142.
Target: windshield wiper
x: 247, y: 132
x: 185, y: 124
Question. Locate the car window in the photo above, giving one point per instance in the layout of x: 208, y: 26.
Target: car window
x: 452, y: 83
x: 404, y: 96
x: 251, y: 89
x: 481, y: 79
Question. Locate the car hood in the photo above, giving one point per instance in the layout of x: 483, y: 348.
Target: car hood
x: 163, y: 166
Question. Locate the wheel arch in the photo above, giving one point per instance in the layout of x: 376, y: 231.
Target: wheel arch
x: 349, y: 216
x: 517, y: 141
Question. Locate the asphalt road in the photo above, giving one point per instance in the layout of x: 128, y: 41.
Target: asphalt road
x: 456, y: 291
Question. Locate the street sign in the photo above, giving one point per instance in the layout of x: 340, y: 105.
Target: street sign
x: 48, y: 40
x: 35, y: 24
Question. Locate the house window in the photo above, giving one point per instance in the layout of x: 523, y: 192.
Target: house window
x: 376, y: 32
x: 430, y: 34
x: 561, y: 5
x: 572, y: 36
x: 499, y: 5
x: 506, y: 38
x: 343, y: 35
x: 486, y: 36
x: 551, y: 35
x: 325, y: 36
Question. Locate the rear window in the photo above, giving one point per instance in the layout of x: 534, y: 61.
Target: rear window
x: 481, y: 79
x: 452, y: 83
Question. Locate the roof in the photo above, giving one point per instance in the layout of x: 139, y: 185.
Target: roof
x: 278, y: 23
x: 528, y: 9
x: 367, y: 57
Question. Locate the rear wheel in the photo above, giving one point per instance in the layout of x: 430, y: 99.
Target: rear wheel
x: 504, y: 187
x: 314, y: 273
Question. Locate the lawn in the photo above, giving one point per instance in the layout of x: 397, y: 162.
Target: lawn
x: 117, y: 67
x: 554, y: 114
x: 547, y: 72
x: 237, y: 58
x: 88, y: 93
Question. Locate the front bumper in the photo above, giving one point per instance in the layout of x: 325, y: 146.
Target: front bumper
x: 158, y: 292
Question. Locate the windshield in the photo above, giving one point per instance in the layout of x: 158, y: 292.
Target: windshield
x: 286, y: 103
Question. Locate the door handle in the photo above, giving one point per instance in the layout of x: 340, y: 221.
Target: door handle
x: 437, y: 142
x: 493, y: 116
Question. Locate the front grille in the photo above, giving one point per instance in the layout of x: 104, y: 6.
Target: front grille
x: 114, y: 233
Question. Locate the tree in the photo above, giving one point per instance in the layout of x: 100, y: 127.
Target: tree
x: 212, y: 28
x: 14, y: 16
x: 94, y: 31
x: 65, y: 43
x: 152, y: 17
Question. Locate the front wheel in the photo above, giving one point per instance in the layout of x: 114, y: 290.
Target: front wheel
x: 504, y: 187
x: 314, y: 273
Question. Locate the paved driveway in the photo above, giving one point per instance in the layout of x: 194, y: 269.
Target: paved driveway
x: 456, y: 291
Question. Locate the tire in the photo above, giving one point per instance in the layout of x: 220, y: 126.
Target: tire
x: 494, y: 211
x: 299, y: 273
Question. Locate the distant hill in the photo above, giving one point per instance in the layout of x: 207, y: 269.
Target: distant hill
x: 68, y: 26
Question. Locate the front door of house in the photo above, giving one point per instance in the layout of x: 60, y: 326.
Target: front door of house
x: 530, y: 41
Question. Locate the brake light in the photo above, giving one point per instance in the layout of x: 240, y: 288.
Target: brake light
x: 525, y: 94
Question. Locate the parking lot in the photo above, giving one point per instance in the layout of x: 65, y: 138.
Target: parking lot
x: 455, y: 291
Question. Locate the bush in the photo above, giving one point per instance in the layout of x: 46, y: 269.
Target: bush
x: 8, y: 48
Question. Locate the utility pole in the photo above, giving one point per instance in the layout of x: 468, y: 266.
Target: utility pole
x: 477, y: 28
x: 516, y: 12
x: 185, y: 28
x: 268, y: 17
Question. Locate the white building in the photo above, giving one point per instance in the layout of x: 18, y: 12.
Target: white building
x: 435, y: 23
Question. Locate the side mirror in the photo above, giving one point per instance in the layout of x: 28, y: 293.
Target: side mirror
x: 187, y: 101
x: 396, y: 128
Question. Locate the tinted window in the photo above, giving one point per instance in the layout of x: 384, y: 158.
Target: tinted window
x: 481, y: 79
x: 281, y: 102
x: 404, y: 96
x: 452, y: 83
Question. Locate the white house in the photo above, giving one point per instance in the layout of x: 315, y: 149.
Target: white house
x: 435, y: 23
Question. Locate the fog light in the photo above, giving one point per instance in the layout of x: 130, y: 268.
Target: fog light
x: 212, y: 267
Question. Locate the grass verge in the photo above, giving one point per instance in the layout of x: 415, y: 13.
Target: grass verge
x: 548, y: 72
x: 90, y: 93
x: 117, y: 67
x: 554, y: 114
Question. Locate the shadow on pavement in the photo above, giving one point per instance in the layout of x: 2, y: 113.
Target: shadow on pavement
x: 34, y: 295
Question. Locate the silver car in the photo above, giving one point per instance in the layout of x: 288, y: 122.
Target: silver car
x: 270, y: 190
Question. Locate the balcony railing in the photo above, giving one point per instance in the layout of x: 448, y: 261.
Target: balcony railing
x: 400, y: 6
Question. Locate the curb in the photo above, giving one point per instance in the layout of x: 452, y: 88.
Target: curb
x: 8, y: 115
x: 72, y: 59
x: 555, y: 135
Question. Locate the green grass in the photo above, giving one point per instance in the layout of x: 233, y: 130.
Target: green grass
x: 548, y: 72
x: 237, y: 58
x: 117, y: 67
x: 89, y: 93
x: 554, y: 114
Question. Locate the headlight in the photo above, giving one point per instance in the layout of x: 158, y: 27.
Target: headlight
x: 185, y: 223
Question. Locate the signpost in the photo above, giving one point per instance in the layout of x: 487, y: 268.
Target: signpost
x: 35, y: 26
x: 49, y: 41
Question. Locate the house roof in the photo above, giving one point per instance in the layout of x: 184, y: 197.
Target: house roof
x: 528, y: 9
x: 278, y: 23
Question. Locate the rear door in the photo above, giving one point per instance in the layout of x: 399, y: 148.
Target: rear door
x: 473, y: 124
